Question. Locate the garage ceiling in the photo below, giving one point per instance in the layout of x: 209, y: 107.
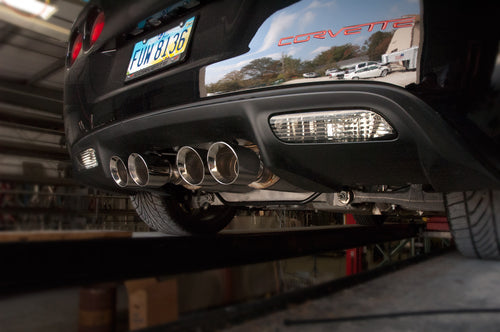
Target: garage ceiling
x: 32, y: 53
x: 32, y: 66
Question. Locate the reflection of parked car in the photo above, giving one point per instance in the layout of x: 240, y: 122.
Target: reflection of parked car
x: 367, y: 72
x: 336, y: 73
x: 359, y: 65
x: 333, y: 71
x: 310, y: 75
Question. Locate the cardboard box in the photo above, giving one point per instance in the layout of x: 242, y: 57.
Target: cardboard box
x: 152, y: 302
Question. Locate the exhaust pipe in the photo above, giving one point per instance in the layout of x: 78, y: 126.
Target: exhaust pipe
x: 119, y: 172
x: 190, y: 166
x: 233, y: 164
x: 153, y: 173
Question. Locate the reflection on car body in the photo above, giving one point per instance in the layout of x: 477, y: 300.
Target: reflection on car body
x: 368, y: 71
x: 310, y: 75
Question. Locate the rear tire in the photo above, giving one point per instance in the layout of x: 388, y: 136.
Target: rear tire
x: 384, y: 73
x: 474, y: 218
x: 173, y: 216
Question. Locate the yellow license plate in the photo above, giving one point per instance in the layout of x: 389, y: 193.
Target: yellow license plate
x: 160, y: 51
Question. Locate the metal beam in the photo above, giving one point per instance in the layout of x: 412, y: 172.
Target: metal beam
x: 38, y: 180
x: 33, y: 150
x: 14, y: 125
x: 8, y: 33
x: 47, y: 71
x: 15, y: 93
x: 64, y: 263
x: 28, y: 117
x: 34, y: 24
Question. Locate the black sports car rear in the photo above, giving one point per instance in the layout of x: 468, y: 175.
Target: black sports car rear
x: 196, y: 108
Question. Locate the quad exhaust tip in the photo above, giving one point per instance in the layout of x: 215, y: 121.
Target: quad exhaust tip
x: 138, y: 169
x: 233, y: 164
x: 223, y: 163
x: 190, y: 166
x: 119, y: 171
x: 149, y: 172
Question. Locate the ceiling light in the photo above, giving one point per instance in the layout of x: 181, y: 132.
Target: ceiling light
x: 36, y: 8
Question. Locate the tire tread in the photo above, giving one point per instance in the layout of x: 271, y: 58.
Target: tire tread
x: 473, y: 218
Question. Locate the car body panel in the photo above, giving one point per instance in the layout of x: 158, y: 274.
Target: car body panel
x: 444, y: 114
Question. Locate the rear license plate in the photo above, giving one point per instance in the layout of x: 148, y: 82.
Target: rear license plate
x: 160, y: 51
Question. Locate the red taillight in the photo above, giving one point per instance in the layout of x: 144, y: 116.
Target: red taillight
x: 97, y: 27
x: 77, y: 47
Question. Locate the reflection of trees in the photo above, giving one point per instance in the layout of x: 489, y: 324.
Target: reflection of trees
x: 266, y: 71
x: 291, y: 67
x: 377, y: 44
x: 261, y: 68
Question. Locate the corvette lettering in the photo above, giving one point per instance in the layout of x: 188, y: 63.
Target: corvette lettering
x: 404, y: 22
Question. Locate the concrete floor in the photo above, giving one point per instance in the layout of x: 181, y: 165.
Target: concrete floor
x: 449, y: 282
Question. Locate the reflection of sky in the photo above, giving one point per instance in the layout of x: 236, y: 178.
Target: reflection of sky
x: 310, y: 16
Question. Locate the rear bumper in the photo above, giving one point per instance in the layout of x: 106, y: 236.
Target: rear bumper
x: 426, y: 150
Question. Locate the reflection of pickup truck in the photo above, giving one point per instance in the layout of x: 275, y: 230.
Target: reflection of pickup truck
x: 408, y: 57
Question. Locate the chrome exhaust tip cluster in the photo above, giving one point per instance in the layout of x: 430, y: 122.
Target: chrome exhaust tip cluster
x: 225, y: 165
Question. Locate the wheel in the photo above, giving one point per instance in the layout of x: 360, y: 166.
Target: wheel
x: 369, y: 220
x: 474, y: 218
x: 355, y: 78
x: 177, y: 216
x: 384, y: 73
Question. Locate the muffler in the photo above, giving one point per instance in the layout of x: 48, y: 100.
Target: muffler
x: 119, y: 172
x: 152, y: 171
x: 233, y: 164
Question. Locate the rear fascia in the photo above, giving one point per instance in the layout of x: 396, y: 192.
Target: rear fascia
x: 426, y: 150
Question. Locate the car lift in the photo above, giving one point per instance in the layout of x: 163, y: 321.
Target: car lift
x: 34, y: 265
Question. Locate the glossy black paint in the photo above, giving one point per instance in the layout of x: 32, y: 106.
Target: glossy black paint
x: 448, y: 124
x: 425, y: 151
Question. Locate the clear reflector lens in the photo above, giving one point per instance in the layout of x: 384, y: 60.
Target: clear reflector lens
x: 331, y: 127
x: 88, y: 159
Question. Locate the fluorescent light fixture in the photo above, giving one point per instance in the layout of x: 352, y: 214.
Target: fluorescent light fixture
x: 34, y: 7
x: 340, y: 126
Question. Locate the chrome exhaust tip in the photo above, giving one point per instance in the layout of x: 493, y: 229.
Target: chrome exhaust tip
x: 118, y: 171
x: 229, y: 165
x: 156, y: 174
x: 190, y: 166
x: 223, y: 163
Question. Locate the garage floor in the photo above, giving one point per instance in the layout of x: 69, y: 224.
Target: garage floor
x: 447, y: 293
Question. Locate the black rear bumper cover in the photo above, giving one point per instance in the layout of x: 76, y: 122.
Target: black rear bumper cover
x: 426, y: 151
